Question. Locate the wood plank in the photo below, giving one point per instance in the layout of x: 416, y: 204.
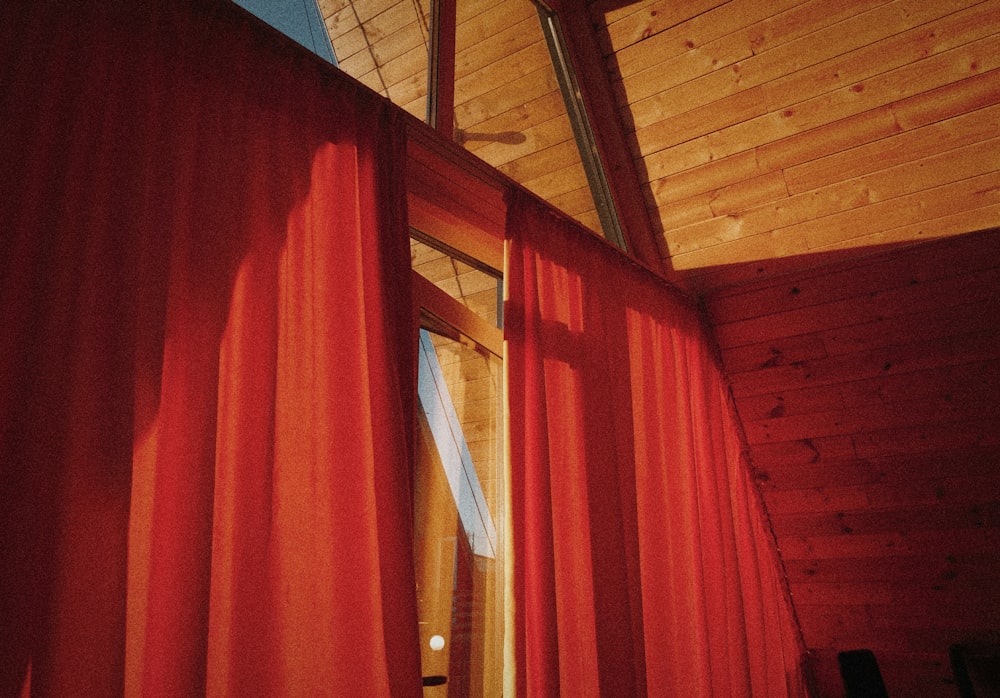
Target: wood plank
x: 897, y: 49
x: 347, y: 44
x: 410, y: 93
x: 947, y: 199
x: 733, y: 274
x: 804, y: 19
x: 576, y: 203
x: 828, y: 42
x: 823, y: 51
x: 507, y: 40
x: 944, y: 102
x: 833, y: 137
x: 483, y: 26
x: 360, y: 65
x: 684, y: 212
x: 853, y: 626
x: 742, y: 106
x: 529, y: 166
x: 959, y: 223
x: 703, y: 178
x: 749, y: 193
x: 953, y: 350
x: 406, y: 67
x: 833, y: 227
x: 673, y: 160
x: 385, y: 30
x: 650, y: 99
x: 530, y: 60
x: 669, y: 170
x: 881, y: 593
x: 857, y: 278
x: 768, y: 354
x: 921, y: 569
x: 654, y: 18
x: 329, y: 7
x: 959, y: 97
x: 372, y: 8
x: 973, y: 384
x: 965, y: 462
x: 616, y: 10
x: 968, y: 434
x: 402, y: 54
x: 941, y: 411
x: 506, y: 129
x: 879, y: 91
x: 647, y: 101
x: 342, y: 21
x: 765, y: 246
x: 786, y: 274
x: 944, y: 517
x: 935, y: 291
x: 668, y: 66
x: 966, y: 129
x: 931, y: 493
x: 505, y: 98
x: 536, y: 137
x: 836, y: 449
x: 974, y: 542
x: 942, y: 321
x: 562, y: 181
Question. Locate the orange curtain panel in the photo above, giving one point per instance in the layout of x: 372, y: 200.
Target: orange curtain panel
x: 206, y: 363
x: 643, y: 565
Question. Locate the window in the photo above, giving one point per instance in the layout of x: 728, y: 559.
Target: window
x: 298, y: 19
x: 459, y: 478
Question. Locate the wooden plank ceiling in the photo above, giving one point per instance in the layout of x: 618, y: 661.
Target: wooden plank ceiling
x: 821, y: 174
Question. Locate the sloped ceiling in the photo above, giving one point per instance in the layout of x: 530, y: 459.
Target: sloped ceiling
x: 826, y: 176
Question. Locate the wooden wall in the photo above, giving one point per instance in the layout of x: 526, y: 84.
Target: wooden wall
x: 868, y: 385
x: 769, y: 128
x: 792, y: 152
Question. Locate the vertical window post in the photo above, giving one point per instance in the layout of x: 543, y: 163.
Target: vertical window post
x: 604, y: 151
x: 441, y: 68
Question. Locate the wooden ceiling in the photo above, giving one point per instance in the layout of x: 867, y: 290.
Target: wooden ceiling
x: 826, y: 176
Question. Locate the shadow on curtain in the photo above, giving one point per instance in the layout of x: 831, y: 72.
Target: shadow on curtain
x: 643, y: 564
x: 205, y: 379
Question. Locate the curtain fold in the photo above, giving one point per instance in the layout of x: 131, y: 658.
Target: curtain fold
x: 206, y: 382
x: 643, y: 564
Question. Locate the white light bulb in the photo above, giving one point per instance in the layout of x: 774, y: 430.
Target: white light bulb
x: 437, y: 642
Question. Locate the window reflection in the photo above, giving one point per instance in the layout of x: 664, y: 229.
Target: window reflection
x: 458, y: 509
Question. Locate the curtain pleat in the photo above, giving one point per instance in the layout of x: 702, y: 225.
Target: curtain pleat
x: 205, y: 364
x: 643, y: 563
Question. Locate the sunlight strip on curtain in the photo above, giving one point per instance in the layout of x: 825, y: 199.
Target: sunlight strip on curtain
x: 206, y: 362
x: 643, y: 565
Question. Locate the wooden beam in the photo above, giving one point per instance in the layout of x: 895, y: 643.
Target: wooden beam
x: 441, y: 88
x: 612, y: 145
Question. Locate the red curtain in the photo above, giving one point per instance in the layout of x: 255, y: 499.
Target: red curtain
x: 205, y: 362
x: 643, y: 565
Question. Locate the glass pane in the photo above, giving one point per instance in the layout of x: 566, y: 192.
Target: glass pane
x: 383, y: 44
x: 474, y: 288
x: 458, y: 509
x: 508, y: 107
x: 298, y: 19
